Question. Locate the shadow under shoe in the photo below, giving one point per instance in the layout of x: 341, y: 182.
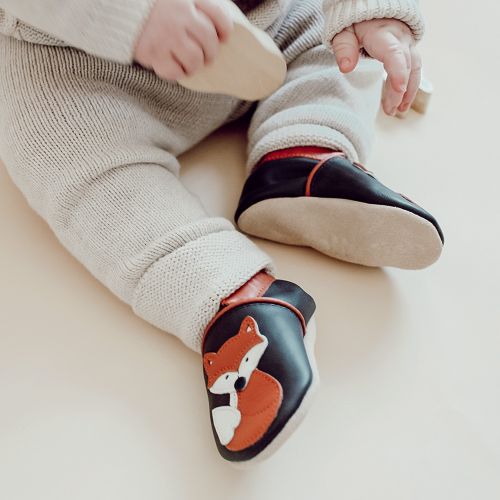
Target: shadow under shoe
x: 260, y: 371
x: 318, y: 198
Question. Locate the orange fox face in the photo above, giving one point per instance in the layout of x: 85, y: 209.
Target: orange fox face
x: 254, y: 396
x: 230, y: 369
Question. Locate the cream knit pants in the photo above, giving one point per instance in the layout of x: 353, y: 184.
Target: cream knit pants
x: 93, y: 144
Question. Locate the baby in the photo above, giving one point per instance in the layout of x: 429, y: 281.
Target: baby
x: 92, y: 122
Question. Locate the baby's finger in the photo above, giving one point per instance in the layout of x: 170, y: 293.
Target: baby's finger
x: 219, y: 16
x: 346, y: 48
x: 413, y: 82
x: 390, y: 99
x: 386, y: 47
x: 204, y: 32
x: 189, y: 53
x: 168, y: 68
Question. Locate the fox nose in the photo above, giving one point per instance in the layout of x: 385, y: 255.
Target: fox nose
x: 240, y: 383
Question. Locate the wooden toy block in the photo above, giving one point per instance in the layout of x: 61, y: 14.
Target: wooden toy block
x: 249, y: 65
x: 423, y: 99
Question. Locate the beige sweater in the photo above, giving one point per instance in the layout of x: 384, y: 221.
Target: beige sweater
x: 109, y: 28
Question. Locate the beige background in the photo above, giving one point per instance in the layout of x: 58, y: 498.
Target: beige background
x: 95, y: 404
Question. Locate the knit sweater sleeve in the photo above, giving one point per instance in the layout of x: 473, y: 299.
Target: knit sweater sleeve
x: 104, y: 28
x: 341, y: 14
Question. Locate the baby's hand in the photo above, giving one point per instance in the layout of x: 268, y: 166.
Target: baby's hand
x: 181, y: 36
x: 391, y: 42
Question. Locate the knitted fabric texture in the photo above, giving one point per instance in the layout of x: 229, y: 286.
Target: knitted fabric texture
x: 109, y: 28
x: 93, y: 146
x: 247, y: 5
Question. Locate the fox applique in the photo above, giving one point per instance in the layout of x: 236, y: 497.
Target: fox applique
x: 254, y: 396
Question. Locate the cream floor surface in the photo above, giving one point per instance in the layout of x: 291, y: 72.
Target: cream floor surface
x: 95, y: 404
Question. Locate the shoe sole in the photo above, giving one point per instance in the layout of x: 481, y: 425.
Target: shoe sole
x: 296, y: 419
x: 361, y: 233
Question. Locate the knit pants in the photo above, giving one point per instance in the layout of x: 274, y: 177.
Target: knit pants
x: 93, y: 146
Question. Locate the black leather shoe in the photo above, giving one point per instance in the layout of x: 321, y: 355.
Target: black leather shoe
x: 315, y: 197
x: 259, y: 369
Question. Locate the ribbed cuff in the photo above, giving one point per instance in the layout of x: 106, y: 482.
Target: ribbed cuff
x: 182, y: 291
x: 112, y: 28
x: 344, y: 13
x: 302, y: 135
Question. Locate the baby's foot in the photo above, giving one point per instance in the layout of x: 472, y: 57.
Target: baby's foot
x: 259, y: 366
x: 316, y: 197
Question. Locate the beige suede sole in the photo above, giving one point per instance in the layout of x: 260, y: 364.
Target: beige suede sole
x: 361, y: 233
x: 302, y: 410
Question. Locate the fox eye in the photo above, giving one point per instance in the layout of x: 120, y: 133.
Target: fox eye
x: 227, y: 376
x: 246, y: 360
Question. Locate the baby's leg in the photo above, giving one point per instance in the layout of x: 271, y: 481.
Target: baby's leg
x: 336, y: 207
x: 92, y: 146
x: 317, y: 105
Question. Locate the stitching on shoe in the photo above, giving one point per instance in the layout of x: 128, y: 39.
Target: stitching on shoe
x: 314, y: 171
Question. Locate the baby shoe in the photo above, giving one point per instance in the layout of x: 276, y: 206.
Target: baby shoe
x: 316, y: 197
x: 259, y: 367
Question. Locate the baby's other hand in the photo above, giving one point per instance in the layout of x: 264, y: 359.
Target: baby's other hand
x: 181, y: 36
x: 391, y: 42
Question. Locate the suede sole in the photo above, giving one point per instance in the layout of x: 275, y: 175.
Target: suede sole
x: 299, y: 415
x: 361, y: 233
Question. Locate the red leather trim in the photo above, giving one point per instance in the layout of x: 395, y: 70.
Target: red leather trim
x: 316, y: 168
x: 268, y: 300
x: 313, y: 152
x: 254, y: 287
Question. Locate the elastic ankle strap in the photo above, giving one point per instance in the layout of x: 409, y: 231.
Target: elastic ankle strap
x: 313, y: 152
x: 256, y: 300
x: 255, y: 287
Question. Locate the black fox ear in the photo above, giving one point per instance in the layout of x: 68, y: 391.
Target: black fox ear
x: 248, y: 325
